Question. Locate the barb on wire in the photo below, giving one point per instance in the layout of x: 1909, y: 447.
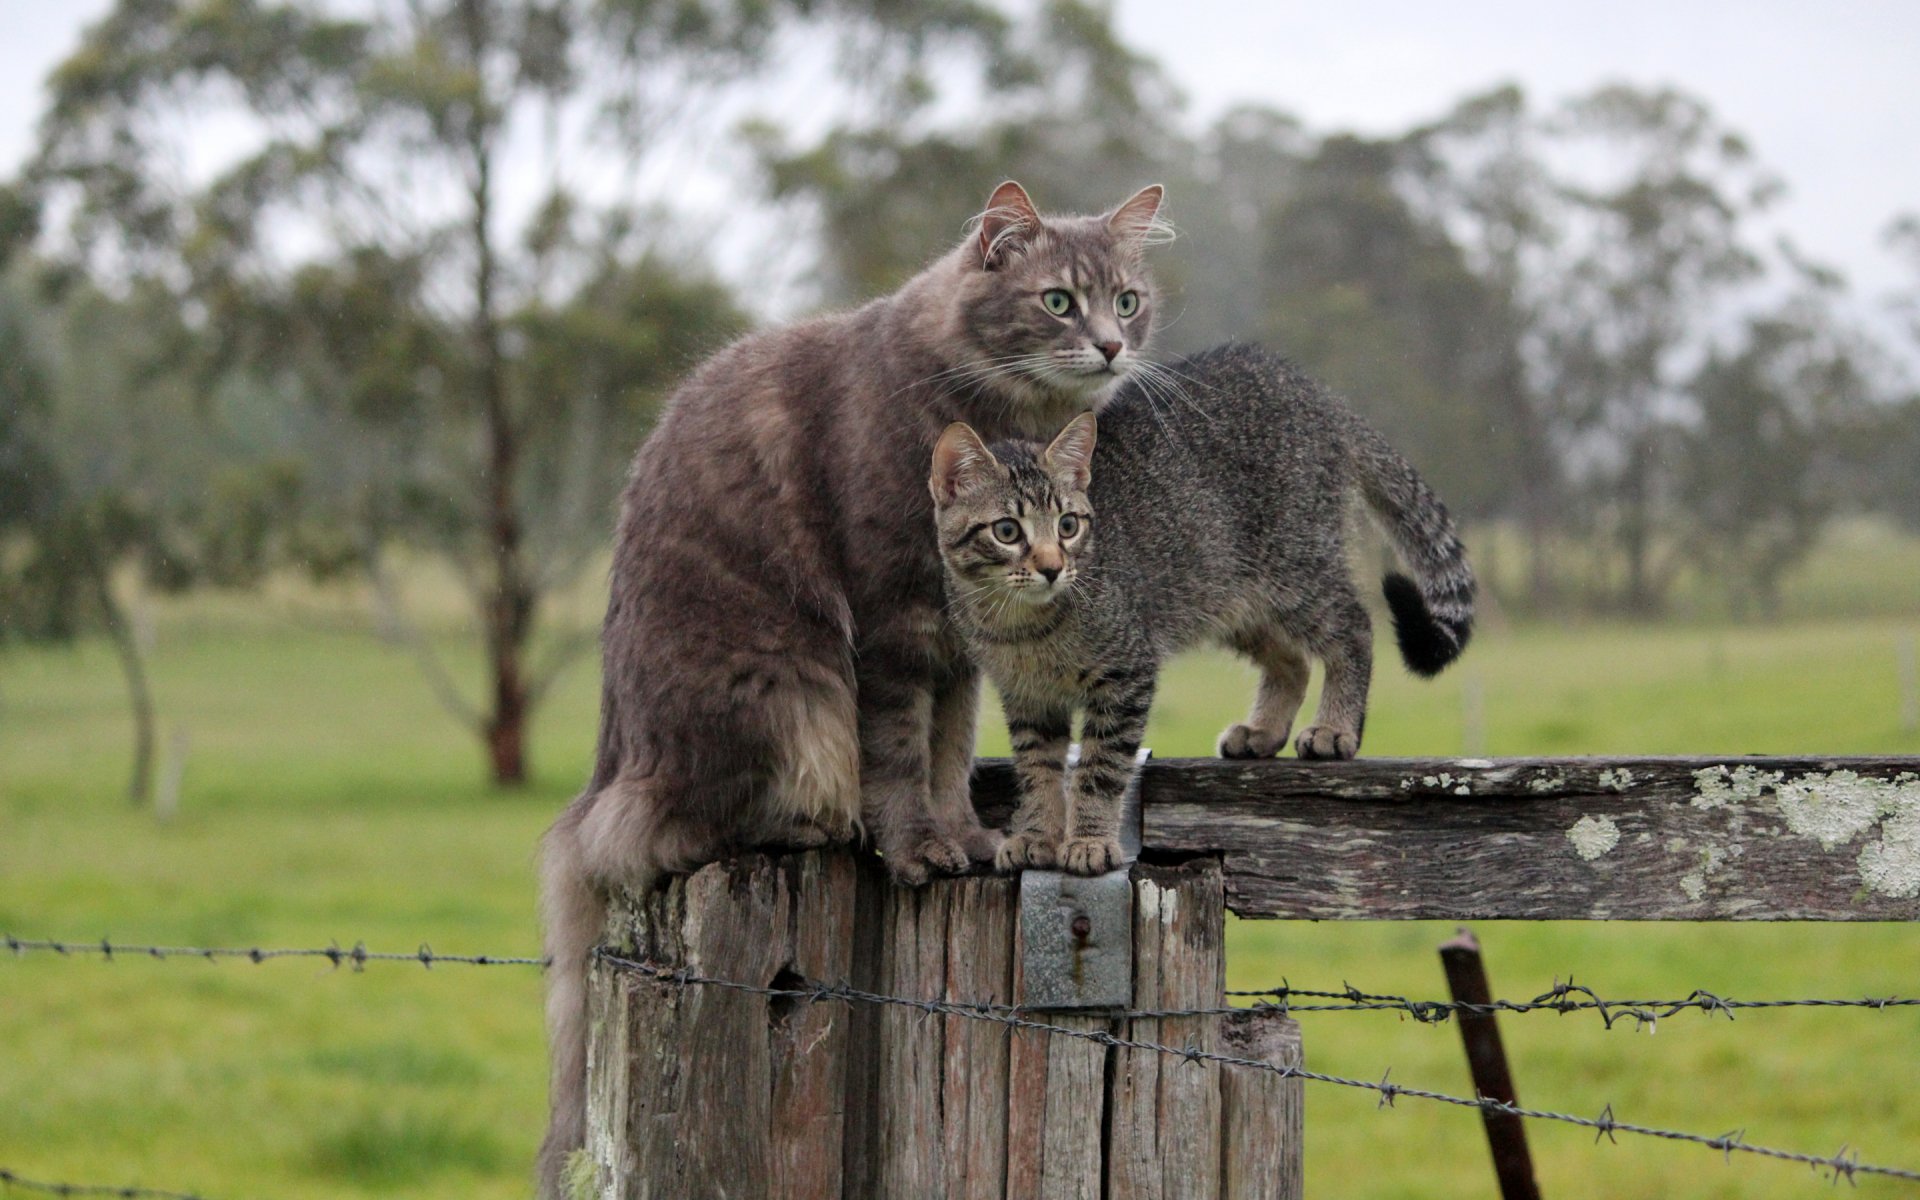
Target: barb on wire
x: 357, y: 956
x: 1844, y: 1163
x: 12, y: 1181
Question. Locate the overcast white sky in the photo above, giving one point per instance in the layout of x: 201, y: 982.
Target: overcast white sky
x: 1829, y: 94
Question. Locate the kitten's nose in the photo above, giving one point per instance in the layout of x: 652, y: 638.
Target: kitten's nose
x: 1111, y: 350
x: 1051, y: 573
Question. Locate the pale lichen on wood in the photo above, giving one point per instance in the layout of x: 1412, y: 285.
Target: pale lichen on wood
x: 1593, y: 836
x: 1833, y: 809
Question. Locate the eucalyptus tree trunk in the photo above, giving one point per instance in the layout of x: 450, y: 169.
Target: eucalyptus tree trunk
x: 507, y: 611
x: 133, y: 667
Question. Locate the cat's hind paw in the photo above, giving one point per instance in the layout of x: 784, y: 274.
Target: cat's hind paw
x: 981, y: 844
x: 933, y: 855
x: 1245, y: 741
x: 1324, y: 741
x: 1092, y: 856
x: 1024, y: 850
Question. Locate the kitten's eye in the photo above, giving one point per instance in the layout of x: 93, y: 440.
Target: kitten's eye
x: 1007, y: 530
x: 1057, y: 301
x: 1069, y: 525
x: 1126, y: 303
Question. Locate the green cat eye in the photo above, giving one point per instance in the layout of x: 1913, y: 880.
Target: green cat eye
x: 1126, y: 303
x: 1007, y: 530
x: 1058, y: 301
x: 1069, y: 525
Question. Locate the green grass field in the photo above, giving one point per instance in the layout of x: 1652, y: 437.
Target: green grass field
x: 326, y: 797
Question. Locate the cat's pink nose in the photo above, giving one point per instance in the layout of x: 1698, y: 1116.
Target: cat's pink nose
x: 1111, y: 350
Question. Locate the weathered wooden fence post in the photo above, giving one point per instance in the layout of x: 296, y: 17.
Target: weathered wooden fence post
x: 703, y: 1091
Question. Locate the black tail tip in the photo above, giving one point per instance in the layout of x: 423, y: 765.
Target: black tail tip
x: 1427, y: 644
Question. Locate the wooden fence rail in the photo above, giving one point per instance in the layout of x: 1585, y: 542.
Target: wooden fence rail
x: 1691, y: 839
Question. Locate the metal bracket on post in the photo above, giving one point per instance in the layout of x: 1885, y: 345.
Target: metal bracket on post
x: 1076, y: 931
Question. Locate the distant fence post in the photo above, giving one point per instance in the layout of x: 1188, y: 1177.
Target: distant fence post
x: 697, y: 1090
x: 1909, y: 686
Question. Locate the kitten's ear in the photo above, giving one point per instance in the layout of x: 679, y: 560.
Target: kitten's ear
x: 1009, y: 220
x: 960, y: 461
x: 1138, y: 219
x: 1071, y: 453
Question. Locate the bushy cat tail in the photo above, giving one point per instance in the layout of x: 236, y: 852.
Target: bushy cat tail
x: 1433, y: 609
x: 574, y: 913
x: 1427, y: 643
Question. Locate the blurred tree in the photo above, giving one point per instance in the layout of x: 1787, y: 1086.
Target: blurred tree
x: 109, y: 471
x: 1760, y: 474
x: 1890, y: 445
x: 1481, y: 173
x: 1903, y: 238
x: 28, y: 491
x: 1064, y: 106
x: 1383, y: 304
x: 474, y: 377
x: 1658, y: 194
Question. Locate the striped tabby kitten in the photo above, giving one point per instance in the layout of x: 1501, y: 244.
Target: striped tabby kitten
x: 1073, y: 573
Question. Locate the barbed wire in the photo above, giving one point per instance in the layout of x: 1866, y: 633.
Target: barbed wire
x: 1283, y: 1000
x: 1561, y: 998
x: 357, y: 956
x: 12, y: 1181
x: 1843, y: 1163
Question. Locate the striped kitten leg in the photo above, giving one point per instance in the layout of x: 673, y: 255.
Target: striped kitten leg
x: 1040, y: 736
x: 1344, y: 644
x: 1116, y: 720
x: 1283, y: 685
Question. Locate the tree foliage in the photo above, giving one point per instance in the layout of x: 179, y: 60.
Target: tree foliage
x: 468, y: 373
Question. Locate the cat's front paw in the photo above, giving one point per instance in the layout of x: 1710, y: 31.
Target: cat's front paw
x: 933, y: 855
x: 1092, y: 856
x: 1324, y: 741
x: 1245, y: 741
x: 1024, y: 850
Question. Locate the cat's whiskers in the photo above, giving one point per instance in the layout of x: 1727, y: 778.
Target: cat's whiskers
x: 1169, y: 380
x: 967, y: 372
x: 1149, y: 392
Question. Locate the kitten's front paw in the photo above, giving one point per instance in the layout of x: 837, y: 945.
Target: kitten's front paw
x: 920, y: 861
x: 1092, y: 856
x: 1324, y: 741
x: 1024, y: 850
x: 1244, y: 741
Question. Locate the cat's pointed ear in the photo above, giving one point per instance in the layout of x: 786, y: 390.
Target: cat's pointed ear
x: 1138, y: 220
x: 1070, y: 456
x: 1009, y: 220
x: 960, y: 461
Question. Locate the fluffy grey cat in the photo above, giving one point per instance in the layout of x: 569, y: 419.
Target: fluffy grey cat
x: 777, y: 663
x: 1074, y: 572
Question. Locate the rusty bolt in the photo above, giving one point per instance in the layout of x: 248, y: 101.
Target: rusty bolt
x: 1082, y: 926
